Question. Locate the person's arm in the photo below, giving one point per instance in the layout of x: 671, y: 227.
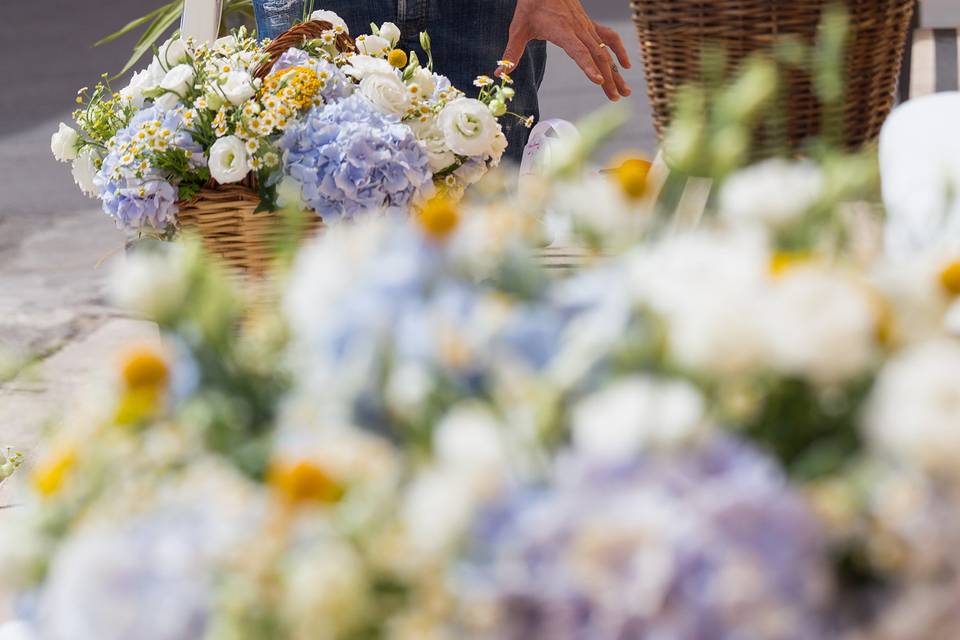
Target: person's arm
x: 566, y: 24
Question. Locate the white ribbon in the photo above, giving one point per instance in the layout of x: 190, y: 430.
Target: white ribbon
x: 201, y: 20
x: 543, y: 140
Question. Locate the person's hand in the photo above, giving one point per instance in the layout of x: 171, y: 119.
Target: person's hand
x: 566, y: 24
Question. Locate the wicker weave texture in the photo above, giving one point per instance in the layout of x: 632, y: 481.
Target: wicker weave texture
x: 673, y: 33
x: 223, y: 216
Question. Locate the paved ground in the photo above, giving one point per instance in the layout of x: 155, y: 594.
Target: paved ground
x: 53, y: 241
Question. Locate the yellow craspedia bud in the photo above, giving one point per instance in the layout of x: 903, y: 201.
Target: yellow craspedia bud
x: 632, y: 175
x: 439, y: 217
x: 950, y: 278
x: 302, y: 482
x: 783, y: 261
x: 142, y: 367
x: 49, y: 475
x: 397, y: 58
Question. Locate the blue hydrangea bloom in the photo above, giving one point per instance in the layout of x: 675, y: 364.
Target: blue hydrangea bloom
x: 142, y: 197
x: 709, y: 542
x: 349, y: 159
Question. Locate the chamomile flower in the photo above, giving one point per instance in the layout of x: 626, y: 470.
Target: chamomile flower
x: 483, y: 81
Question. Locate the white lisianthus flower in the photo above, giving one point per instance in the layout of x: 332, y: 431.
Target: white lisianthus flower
x: 238, y: 87
x: 141, y: 82
x: 63, y: 143
x: 433, y: 143
x: 84, y: 170
x: 373, y: 46
x: 499, y: 148
x: 361, y: 66
x: 773, y: 193
x: 179, y: 79
x: 819, y: 325
x: 331, y: 17
x: 172, y: 53
x: 914, y: 410
x: 391, y: 33
x: 228, y: 160
x: 471, y: 171
x: 635, y: 414
x: 468, y: 127
x: 386, y: 92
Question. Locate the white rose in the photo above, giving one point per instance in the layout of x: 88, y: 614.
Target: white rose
x: 391, y: 33
x: 773, y: 193
x: 361, y: 66
x: 635, y: 414
x: 386, y: 92
x: 331, y: 17
x: 238, y: 87
x: 468, y: 127
x: 143, y: 81
x: 172, y: 52
x: 373, y: 45
x: 819, y: 325
x: 63, y: 143
x: 179, y: 80
x: 228, y: 160
x: 424, y: 80
x: 84, y: 170
x: 914, y: 409
x: 431, y: 139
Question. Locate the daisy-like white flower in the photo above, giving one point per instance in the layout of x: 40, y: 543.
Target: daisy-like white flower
x: 483, y: 81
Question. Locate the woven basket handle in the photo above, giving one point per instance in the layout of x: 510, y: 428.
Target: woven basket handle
x: 296, y: 36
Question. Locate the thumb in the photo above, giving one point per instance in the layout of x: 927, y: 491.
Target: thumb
x: 515, y: 48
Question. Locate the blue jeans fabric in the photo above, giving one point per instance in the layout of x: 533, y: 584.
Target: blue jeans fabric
x: 468, y: 38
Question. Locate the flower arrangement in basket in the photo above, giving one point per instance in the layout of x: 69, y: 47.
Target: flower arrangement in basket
x: 215, y: 137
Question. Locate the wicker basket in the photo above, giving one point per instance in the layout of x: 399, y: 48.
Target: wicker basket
x: 674, y: 32
x: 223, y: 215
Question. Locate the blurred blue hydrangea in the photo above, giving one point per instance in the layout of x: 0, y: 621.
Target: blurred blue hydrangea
x: 704, y: 543
x: 349, y: 159
x: 135, y: 192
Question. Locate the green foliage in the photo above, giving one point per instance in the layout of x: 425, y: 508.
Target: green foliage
x: 159, y: 21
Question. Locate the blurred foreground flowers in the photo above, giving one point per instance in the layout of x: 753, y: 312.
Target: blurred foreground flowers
x: 742, y: 429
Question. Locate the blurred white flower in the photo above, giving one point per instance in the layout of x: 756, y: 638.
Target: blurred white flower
x: 819, y: 325
x: 773, y: 193
x: 63, y: 143
x: 707, y: 286
x: 151, y: 284
x: 228, y: 160
x: 920, y: 172
x: 914, y: 410
x: 84, y: 170
x: 437, y: 510
x: 635, y: 414
x: 469, y: 440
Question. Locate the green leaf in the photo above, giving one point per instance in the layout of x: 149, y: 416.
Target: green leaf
x: 130, y: 26
x: 153, y: 33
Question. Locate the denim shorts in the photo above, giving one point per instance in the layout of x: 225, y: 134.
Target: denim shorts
x: 468, y: 38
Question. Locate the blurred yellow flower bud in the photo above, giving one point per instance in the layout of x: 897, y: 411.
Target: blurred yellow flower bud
x: 439, y: 217
x: 302, y: 481
x: 950, y: 278
x: 142, y: 367
x: 49, y: 475
x: 632, y: 175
